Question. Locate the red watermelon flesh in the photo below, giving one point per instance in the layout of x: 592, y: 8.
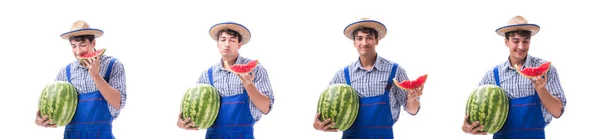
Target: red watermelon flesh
x: 412, y: 84
x: 532, y: 72
x: 96, y: 53
x: 242, y: 68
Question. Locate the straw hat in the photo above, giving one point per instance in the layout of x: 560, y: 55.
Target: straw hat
x: 243, y: 31
x: 518, y: 23
x: 365, y: 22
x: 80, y: 27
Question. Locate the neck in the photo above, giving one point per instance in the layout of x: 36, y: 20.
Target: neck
x: 367, y: 61
x: 519, y: 63
x: 230, y: 59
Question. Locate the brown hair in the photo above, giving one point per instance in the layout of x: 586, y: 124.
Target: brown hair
x: 232, y: 33
x: 524, y: 33
x: 365, y: 30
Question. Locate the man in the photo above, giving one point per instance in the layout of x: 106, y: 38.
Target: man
x: 372, y: 77
x: 100, y: 83
x: 244, y: 98
x: 534, y: 101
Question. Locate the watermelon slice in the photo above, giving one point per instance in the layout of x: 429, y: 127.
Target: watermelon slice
x: 242, y: 68
x: 533, y: 72
x: 96, y: 53
x: 412, y: 84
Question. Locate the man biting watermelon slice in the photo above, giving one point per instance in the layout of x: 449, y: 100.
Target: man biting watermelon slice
x: 100, y: 82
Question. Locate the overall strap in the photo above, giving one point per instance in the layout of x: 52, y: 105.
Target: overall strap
x: 390, y: 80
x: 496, y: 76
x: 108, y: 70
x: 69, y: 72
x: 347, y: 75
x: 210, y: 76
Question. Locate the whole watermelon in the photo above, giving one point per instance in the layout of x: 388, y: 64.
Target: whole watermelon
x: 488, y: 104
x: 201, y: 104
x: 58, y: 101
x: 339, y: 102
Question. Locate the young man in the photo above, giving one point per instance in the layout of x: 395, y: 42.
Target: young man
x: 244, y: 98
x: 533, y: 102
x: 100, y: 84
x: 372, y: 76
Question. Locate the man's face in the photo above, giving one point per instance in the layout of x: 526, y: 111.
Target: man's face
x: 228, y: 45
x: 82, y: 47
x: 518, y: 46
x: 365, y: 43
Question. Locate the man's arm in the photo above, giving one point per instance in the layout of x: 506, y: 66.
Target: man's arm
x: 260, y: 91
x: 114, y: 91
x: 552, y: 95
x: 412, y: 106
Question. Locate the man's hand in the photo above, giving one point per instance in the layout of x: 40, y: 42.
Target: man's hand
x: 325, y: 125
x: 470, y: 128
x: 540, y: 81
x: 43, y: 121
x: 247, y: 78
x: 185, y: 124
x: 416, y: 93
x: 93, y: 65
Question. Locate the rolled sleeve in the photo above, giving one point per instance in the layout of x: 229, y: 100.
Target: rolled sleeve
x: 117, y: 81
x: 263, y: 84
x: 401, y: 94
x: 555, y: 88
x: 488, y: 79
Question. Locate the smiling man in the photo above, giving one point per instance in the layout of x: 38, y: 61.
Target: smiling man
x: 100, y: 83
x: 371, y: 76
x: 533, y: 101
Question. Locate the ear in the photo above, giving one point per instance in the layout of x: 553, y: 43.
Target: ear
x: 94, y: 43
x: 506, y: 42
x: 376, y: 42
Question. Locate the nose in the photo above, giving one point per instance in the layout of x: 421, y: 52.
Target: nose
x: 520, y: 46
x: 79, y: 50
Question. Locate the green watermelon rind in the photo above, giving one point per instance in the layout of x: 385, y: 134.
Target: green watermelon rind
x: 481, y: 104
x: 201, y: 104
x: 343, y: 109
x: 49, y: 104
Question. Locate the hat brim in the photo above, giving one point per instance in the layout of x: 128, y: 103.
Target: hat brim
x: 86, y: 31
x: 241, y: 29
x: 378, y: 26
x: 530, y: 27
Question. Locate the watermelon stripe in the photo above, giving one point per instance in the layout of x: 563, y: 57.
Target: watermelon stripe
x: 340, y: 103
x: 488, y: 104
x: 201, y: 104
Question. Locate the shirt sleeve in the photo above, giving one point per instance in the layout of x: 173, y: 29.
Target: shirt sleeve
x: 488, y: 78
x: 555, y: 88
x: 263, y: 84
x: 338, y: 78
x: 203, y: 79
x: 401, y: 94
x: 117, y: 81
x: 62, y: 75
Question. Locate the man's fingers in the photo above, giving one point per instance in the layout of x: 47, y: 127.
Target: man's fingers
x: 317, y: 117
x: 473, y: 125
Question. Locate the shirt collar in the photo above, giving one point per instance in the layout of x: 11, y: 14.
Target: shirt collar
x: 238, y: 60
x: 377, y: 66
x: 528, y: 63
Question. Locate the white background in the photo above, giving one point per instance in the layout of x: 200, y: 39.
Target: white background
x: 165, y: 46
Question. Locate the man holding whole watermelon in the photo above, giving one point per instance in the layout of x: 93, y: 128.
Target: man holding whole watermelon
x: 533, y: 101
x: 99, y: 81
x: 245, y: 97
x: 372, y: 77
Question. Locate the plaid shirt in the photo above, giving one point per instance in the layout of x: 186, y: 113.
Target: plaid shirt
x: 517, y: 86
x: 372, y: 83
x: 229, y: 84
x: 81, y: 79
